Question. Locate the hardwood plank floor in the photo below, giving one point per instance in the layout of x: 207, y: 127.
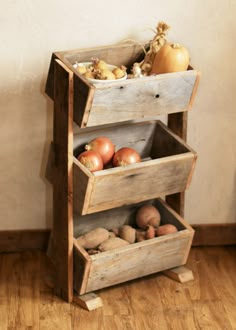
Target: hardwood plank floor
x: 154, y: 302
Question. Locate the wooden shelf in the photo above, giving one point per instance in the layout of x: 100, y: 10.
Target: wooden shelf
x: 77, y: 100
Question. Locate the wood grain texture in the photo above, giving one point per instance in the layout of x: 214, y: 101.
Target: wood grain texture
x: 166, y: 169
x: 135, y: 260
x: 131, y: 99
x: 62, y: 231
x: 141, y: 98
x: 147, y: 303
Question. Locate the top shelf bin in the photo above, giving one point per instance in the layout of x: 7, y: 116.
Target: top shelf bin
x: 136, y: 98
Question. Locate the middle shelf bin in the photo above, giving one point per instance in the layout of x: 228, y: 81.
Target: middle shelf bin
x: 167, y: 166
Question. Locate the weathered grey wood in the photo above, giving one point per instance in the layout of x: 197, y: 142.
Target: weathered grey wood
x: 166, y: 169
x: 125, y: 53
x: 140, y: 182
x: 62, y: 231
x: 141, y: 98
x: 89, y: 301
x: 127, y: 100
x: 180, y: 274
x: 82, y: 264
x: 140, y: 259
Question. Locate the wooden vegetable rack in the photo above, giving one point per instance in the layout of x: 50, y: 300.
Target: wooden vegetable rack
x: 126, y: 112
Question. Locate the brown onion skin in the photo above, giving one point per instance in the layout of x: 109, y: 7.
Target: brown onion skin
x: 91, y: 160
x: 125, y: 156
x: 103, y: 146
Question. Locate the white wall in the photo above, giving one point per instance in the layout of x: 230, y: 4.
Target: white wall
x: 31, y: 30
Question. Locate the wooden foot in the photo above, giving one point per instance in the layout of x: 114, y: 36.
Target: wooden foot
x: 180, y: 274
x: 89, y: 301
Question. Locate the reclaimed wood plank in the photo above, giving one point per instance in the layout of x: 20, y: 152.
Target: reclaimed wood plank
x: 123, y: 264
x: 62, y: 231
x: 141, y: 98
x: 164, y: 176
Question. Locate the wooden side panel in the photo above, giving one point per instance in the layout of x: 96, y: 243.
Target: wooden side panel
x: 62, y: 231
x: 50, y: 78
x: 142, y: 98
x: 83, y: 99
x: 137, y: 260
x: 118, y: 54
x: 138, y: 183
x: 82, y: 185
x: 82, y: 264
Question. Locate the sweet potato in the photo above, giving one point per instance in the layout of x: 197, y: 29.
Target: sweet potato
x: 140, y: 235
x: 166, y: 229
x: 127, y: 233
x: 93, y: 238
x: 112, y: 243
x: 148, y: 215
x: 150, y: 232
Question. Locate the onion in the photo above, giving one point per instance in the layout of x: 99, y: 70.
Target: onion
x: 91, y: 160
x: 125, y: 156
x: 103, y: 146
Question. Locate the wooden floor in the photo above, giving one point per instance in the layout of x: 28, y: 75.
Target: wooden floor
x: 154, y: 302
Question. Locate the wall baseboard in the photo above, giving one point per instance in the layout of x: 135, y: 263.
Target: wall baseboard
x: 22, y: 240
x: 214, y: 234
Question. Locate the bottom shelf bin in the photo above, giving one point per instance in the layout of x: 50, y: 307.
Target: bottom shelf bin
x: 94, y: 272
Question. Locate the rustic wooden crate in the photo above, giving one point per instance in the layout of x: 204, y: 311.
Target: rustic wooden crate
x: 93, y: 272
x: 167, y: 166
x: 125, y: 100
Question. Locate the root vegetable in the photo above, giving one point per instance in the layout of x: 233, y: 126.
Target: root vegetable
x: 150, y: 232
x: 119, y: 72
x: 115, y: 231
x: 112, y: 243
x: 148, y: 215
x: 166, y: 229
x: 111, y: 234
x: 127, y: 233
x: 125, y: 156
x: 91, y: 160
x: 104, y: 146
x: 92, y: 251
x: 93, y: 238
x: 105, y: 75
x: 140, y: 235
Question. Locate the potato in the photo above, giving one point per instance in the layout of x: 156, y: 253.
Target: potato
x: 93, y: 251
x: 118, y: 72
x: 140, y: 235
x: 93, y: 238
x: 148, y: 215
x: 112, y: 243
x: 106, y: 75
x: 166, y: 229
x: 115, y: 231
x: 127, y: 233
x: 150, y: 232
x: 81, y: 69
